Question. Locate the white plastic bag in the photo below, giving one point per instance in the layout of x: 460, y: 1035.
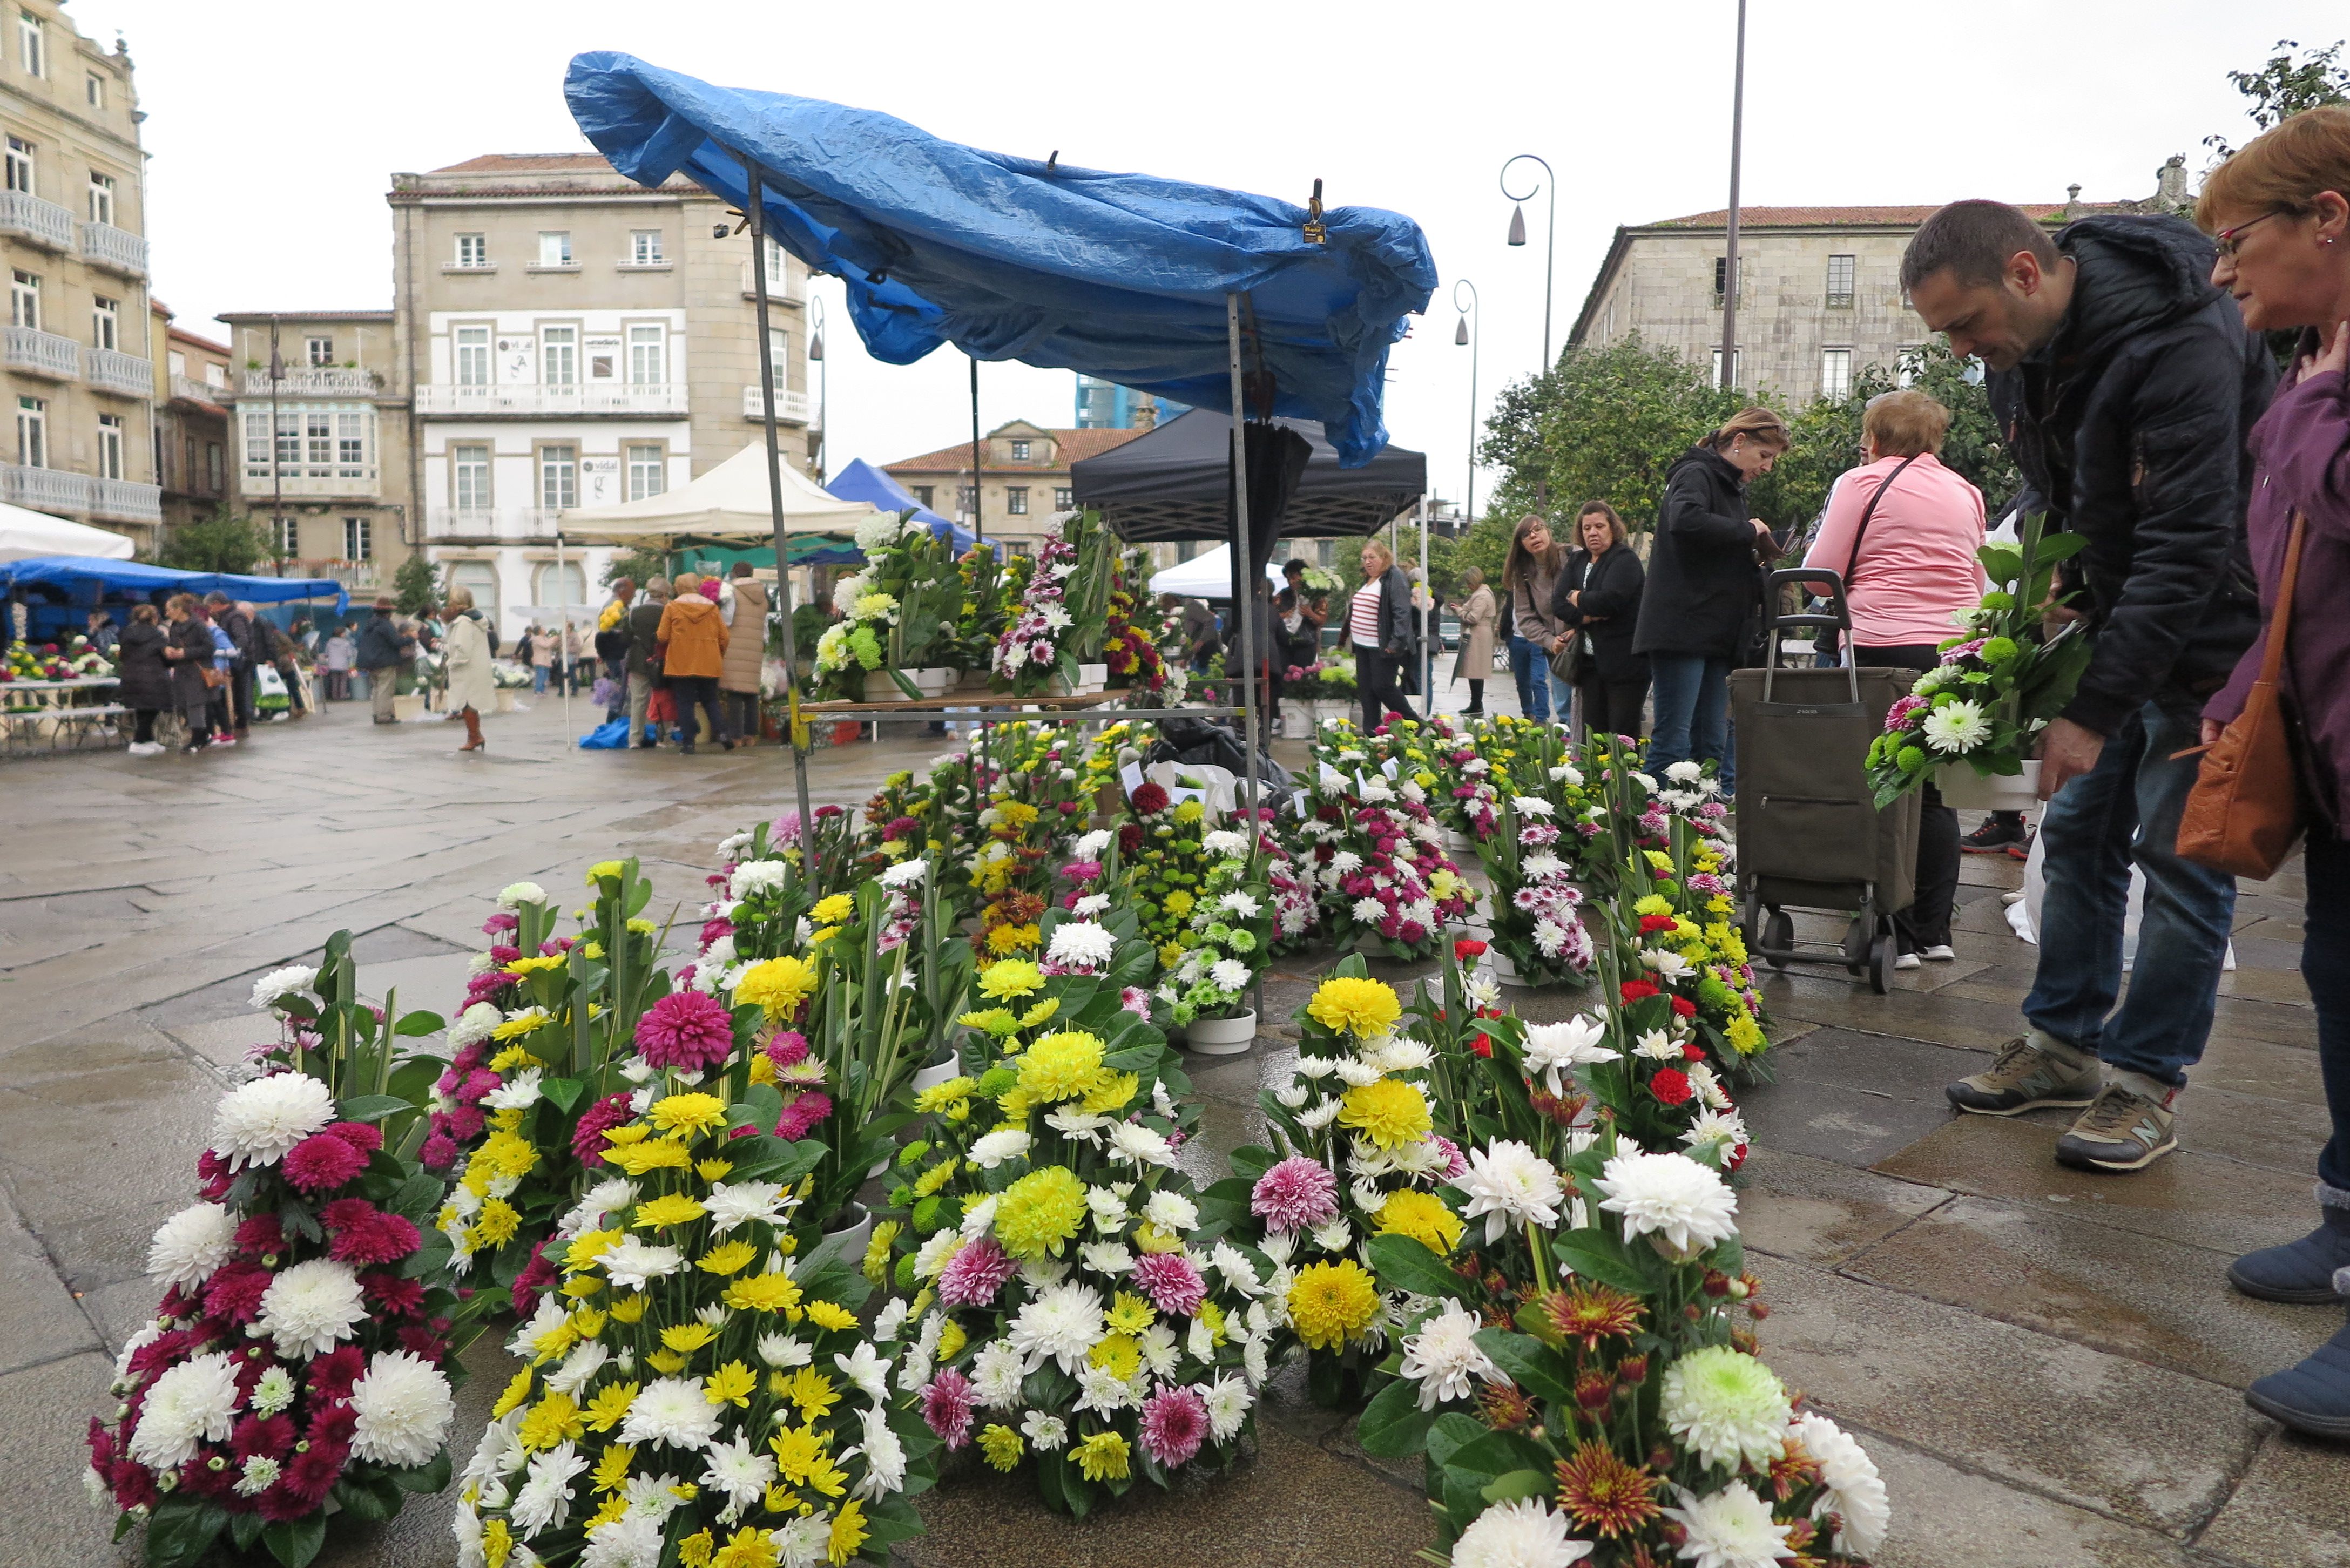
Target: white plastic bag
x: 2024, y: 917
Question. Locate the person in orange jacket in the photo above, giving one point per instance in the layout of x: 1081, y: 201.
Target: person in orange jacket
x: 691, y: 642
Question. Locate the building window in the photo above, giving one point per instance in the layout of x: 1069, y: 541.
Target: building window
x: 1016, y: 500
x: 558, y: 477
x: 473, y: 356
x: 1737, y: 365
x: 554, y: 247
x: 189, y: 472
x: 216, y: 376
x: 109, y: 446
x: 177, y: 362
x: 480, y: 579
x: 469, y: 477
x: 1836, y: 374
x: 644, y: 248
x: 32, y: 45
x: 923, y: 494
x: 94, y: 89
x: 647, y: 472
x: 563, y: 584
x: 104, y: 322
x: 358, y: 538
x: 285, y: 536
x: 101, y: 197
x: 25, y: 300
x: 778, y: 358
x: 558, y: 356
x: 966, y: 498
x: 326, y: 443
x: 473, y: 250
x: 318, y: 352
x: 1065, y: 499
x: 215, y: 469
x: 775, y: 266
x: 33, y: 432
x: 1721, y: 273
x: 648, y: 357
x: 20, y: 165
x: 1019, y: 452
x: 1840, y: 269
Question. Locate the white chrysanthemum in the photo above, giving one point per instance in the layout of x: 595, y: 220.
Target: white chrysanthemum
x: 863, y: 1367
x: 1355, y: 1071
x: 733, y: 1203
x: 273, y: 1392
x: 191, y: 1245
x: 931, y: 1257
x: 1665, y: 962
x: 994, y: 1148
x: 632, y: 1541
x: 671, y: 1411
x: 579, y: 1369
x: 739, y: 1471
x: 1230, y: 974
x: 1443, y: 1357
x: 474, y: 1024
x: 1138, y: 1145
x: 281, y: 982
x: 1721, y: 1129
x: 1731, y: 1529
x: 515, y: 895
x: 1102, y: 1391
x: 634, y: 1263
x: 885, y: 1456
x: 256, y: 1123
x: 1370, y: 910
x: 1108, y: 1258
x: 1238, y: 1272
x: 544, y: 1499
x: 1856, y: 1492
x: 1554, y: 1049
x: 1730, y: 1409
x: 607, y: 1197
x: 1229, y: 1401
x: 518, y: 1093
x: 312, y: 1306
x: 995, y: 1373
x: 784, y: 1351
x: 258, y: 1474
x: 1524, y: 1533
x: 1223, y: 844
x: 1320, y: 1115
x: 1956, y: 727
x: 1531, y: 805
x: 1059, y: 1323
x: 1046, y: 1433
x: 1657, y: 1046
x: 191, y: 1402
x: 1510, y: 1184
x: 905, y: 874
x: 405, y: 1408
x: 1684, y: 1204
x: 1081, y: 942
x: 1090, y: 845
x: 1172, y: 1211
x: 755, y: 878
x: 1684, y: 772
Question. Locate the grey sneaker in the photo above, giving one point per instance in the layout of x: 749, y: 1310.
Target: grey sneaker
x: 2025, y: 1076
x: 2123, y: 1130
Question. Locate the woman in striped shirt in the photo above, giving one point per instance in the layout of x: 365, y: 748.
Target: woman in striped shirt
x: 1378, y: 625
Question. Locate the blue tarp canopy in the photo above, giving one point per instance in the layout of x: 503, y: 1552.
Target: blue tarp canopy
x: 87, y: 579
x: 860, y: 481
x: 1122, y: 276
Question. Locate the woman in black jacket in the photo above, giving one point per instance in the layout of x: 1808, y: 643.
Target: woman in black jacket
x: 1378, y: 625
x: 1598, y: 597
x: 1704, y: 588
x: 145, y: 681
x: 188, y: 650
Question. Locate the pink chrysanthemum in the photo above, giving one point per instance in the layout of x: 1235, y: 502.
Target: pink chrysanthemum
x: 322, y: 1162
x: 1297, y: 1194
x: 1455, y: 1165
x: 1135, y: 1000
x: 1174, y: 1424
x: 801, y: 1115
x: 946, y: 1409
x: 974, y: 1275
x: 686, y: 1030
x: 789, y: 1048
x: 1171, y: 1282
x: 588, y: 1138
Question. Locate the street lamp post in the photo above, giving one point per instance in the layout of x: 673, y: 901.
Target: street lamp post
x: 276, y: 481
x: 824, y: 398
x: 1463, y: 337
x: 1730, y: 264
x: 1549, y: 182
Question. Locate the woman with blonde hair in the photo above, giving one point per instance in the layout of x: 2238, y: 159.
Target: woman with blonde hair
x: 466, y: 655
x: 1477, y: 613
x: 1378, y: 625
x: 1705, y: 590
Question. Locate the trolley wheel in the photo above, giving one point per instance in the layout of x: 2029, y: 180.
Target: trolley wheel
x: 1856, y: 946
x: 1778, y: 939
x: 1881, y: 963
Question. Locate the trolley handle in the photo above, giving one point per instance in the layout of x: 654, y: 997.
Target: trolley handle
x: 1839, y: 617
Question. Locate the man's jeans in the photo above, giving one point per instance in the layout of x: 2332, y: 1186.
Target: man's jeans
x: 1692, y: 697
x: 2127, y: 806
x: 1533, y: 673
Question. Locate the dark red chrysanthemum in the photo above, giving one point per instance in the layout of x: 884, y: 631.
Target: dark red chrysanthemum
x: 323, y: 1163
x: 395, y: 1295
x: 269, y: 1435
x: 260, y: 1233
x: 235, y: 1291
x: 686, y: 1030
x: 588, y: 1138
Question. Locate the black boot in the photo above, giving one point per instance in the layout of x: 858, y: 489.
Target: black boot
x: 2313, y: 1397
x: 2301, y: 1271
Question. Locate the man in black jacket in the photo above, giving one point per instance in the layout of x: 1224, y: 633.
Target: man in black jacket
x: 383, y: 648
x: 2125, y: 383
x: 249, y: 653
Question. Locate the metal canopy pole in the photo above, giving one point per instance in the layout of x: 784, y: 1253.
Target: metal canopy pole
x: 563, y: 579
x: 1427, y: 612
x: 754, y: 212
x: 1245, y: 554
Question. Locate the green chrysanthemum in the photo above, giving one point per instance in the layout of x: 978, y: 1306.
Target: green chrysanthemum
x: 1728, y: 1406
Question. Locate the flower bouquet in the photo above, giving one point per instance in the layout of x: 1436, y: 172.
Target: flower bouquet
x: 1129, y: 650
x: 1224, y: 945
x: 1537, y: 917
x: 76, y: 659
x: 295, y: 1367
x: 1063, y: 615
x: 1998, y: 685
x: 896, y: 614
x: 1382, y: 878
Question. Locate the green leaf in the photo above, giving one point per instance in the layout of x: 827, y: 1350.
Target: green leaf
x: 1448, y: 1432
x: 360, y: 1501
x: 373, y: 1107
x: 418, y: 1197
x: 1404, y: 1263
x: 295, y: 1541
x: 426, y: 1479
x: 245, y: 1528
x: 1517, y: 1484
x: 1596, y: 1255
x: 1393, y: 1425
x: 2002, y: 562
x: 420, y: 1022
x: 182, y: 1530
x: 2055, y: 547
x: 1531, y: 1364
x: 563, y: 1091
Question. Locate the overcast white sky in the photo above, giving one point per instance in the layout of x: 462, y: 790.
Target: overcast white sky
x: 274, y: 128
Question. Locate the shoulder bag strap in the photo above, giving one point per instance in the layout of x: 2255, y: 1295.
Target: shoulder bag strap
x: 1852, y: 562
x: 2281, y: 627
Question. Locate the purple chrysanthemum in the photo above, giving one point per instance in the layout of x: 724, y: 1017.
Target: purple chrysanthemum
x: 687, y: 1031
x: 1296, y: 1194
x: 946, y: 1408
x: 1170, y: 1281
x: 1174, y: 1424
x: 809, y: 1109
x: 974, y: 1275
x: 587, y: 1137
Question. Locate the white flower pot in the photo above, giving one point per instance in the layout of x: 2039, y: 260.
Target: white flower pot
x: 936, y: 680
x: 1091, y: 678
x: 1507, y: 972
x: 932, y: 1078
x: 1221, y: 1037
x: 1456, y: 843
x: 880, y: 688
x: 1968, y: 789
x: 856, y: 1233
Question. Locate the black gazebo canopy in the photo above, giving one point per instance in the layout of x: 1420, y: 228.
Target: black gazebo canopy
x: 1176, y: 483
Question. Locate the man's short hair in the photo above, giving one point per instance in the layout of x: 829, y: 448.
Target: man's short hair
x: 1972, y: 241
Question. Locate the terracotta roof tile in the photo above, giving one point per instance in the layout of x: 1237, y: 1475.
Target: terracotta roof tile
x: 1070, y: 446
x: 530, y: 162
x: 1818, y: 217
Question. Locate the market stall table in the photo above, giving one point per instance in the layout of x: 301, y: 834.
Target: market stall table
x: 40, y: 717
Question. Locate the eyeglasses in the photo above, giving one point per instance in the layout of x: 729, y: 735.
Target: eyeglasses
x: 2227, y: 239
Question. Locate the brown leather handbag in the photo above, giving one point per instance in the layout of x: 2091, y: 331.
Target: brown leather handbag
x: 2243, y: 816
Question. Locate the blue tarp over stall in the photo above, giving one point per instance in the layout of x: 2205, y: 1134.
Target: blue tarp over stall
x: 86, y: 579
x: 1116, y: 276
x: 860, y: 481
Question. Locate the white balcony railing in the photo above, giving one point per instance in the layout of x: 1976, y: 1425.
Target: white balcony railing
x: 791, y: 408
x: 116, y: 250
x: 357, y: 482
x: 324, y: 381
x: 43, y: 222
x: 56, y: 490
x: 124, y: 374
x: 588, y: 398
x: 196, y: 391
x: 127, y: 501
x: 779, y: 288
x: 519, y: 524
x: 352, y: 574
x: 42, y: 353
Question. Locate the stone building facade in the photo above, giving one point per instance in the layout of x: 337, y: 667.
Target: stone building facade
x: 193, y: 382
x: 1024, y: 483
x: 77, y: 350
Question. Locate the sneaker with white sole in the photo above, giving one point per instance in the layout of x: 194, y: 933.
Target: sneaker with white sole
x: 142, y: 749
x: 2121, y: 1130
x: 1941, y: 952
x: 1906, y: 961
x: 2026, y: 1075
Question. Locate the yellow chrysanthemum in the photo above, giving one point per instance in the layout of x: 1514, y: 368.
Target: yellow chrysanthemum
x: 1062, y: 1066
x: 688, y: 1337
x: 996, y: 1020
x: 535, y: 965
x: 1102, y: 1457
x: 1331, y: 1304
x: 762, y: 1070
x: 832, y: 911
x: 732, y: 1384
x: 729, y: 1258
x: 1213, y: 1317
x: 1653, y: 904
x: 939, y: 1096
x: 668, y: 1363
x: 552, y: 1420
x: 587, y: 1322
x: 1423, y: 1217
x: 588, y: 1246
x: 1130, y: 1314
x: 811, y: 1391
x: 801, y: 1457
x: 1171, y: 954
x: 522, y: 1024
x: 1348, y: 1005
x: 507, y: 1154
x: 1000, y: 1447
x: 848, y: 1533
x: 1177, y: 903
x: 496, y: 1223
x: 497, y: 1542
x: 1011, y: 978
x: 1040, y: 1213
x: 609, y: 1404
x: 749, y: 1547
x: 1388, y: 1111
x: 669, y: 1208
x: 952, y: 1339
x: 553, y: 1342
x: 763, y: 1292
x: 1150, y: 1237
x: 1745, y: 1035
x: 689, y: 1112
x: 1006, y: 939
x: 876, y: 1261
x: 637, y: 1159
x: 831, y: 1315
x: 693, y: 1551
x: 1117, y: 1352
x: 512, y: 1060
x: 612, y: 1469
x: 779, y: 986
x: 715, y: 1169
x: 515, y: 1393
x: 629, y: 1308
x: 614, y: 1506
x: 1111, y: 1093
x: 603, y: 868
x: 1039, y: 1014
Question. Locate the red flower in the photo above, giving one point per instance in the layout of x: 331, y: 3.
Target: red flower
x: 1467, y: 949
x: 259, y: 1234
x: 332, y: 1374
x: 322, y: 1163
x: 588, y: 1138
x: 1129, y: 835
x: 1482, y: 1045
x: 234, y: 1292
x: 269, y: 1435
x: 1650, y: 924
x: 364, y: 1137
x: 1149, y: 800
x: 1692, y: 1052
x: 1670, y: 1086
x: 418, y: 1339
x: 399, y: 1297
x: 1637, y: 991
x: 1683, y: 1007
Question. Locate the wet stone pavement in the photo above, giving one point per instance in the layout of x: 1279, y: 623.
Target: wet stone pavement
x: 2047, y: 1366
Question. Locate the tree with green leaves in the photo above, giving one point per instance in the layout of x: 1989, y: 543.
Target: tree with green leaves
x: 216, y: 544
x: 417, y: 585
x: 2286, y: 85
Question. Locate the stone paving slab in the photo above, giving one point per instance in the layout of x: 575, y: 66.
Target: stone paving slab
x: 1948, y: 1517
x: 43, y: 1323
x: 50, y: 1521
x: 2292, y: 1509
x: 1851, y: 1097
x: 1819, y: 1211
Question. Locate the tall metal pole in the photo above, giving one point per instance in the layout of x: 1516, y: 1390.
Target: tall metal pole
x: 1428, y: 591
x: 978, y: 528
x: 1730, y: 263
x: 1244, y: 550
x: 1461, y: 334
x: 276, y: 481
x: 1550, y: 243
x: 755, y: 203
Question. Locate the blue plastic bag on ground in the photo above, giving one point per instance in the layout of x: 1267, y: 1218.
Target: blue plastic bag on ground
x: 611, y: 736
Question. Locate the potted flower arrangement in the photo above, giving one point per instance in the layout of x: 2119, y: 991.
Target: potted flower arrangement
x: 1057, y: 631
x: 897, y: 613
x: 1225, y: 948
x: 298, y: 1364
x: 1537, y: 921
x: 1997, y: 687
x: 1130, y: 653
x: 1384, y: 882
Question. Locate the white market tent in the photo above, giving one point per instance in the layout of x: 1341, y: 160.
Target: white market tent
x: 28, y: 535
x: 1208, y: 576
x: 730, y: 504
